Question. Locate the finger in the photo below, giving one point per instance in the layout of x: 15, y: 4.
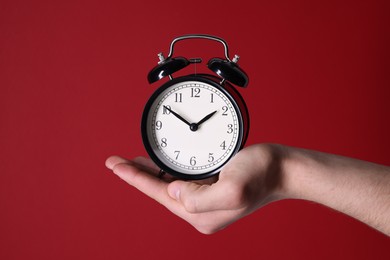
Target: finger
x: 197, y: 198
x: 151, y: 186
x: 147, y: 165
x: 153, y: 168
x: 146, y: 162
x: 114, y: 160
x: 143, y: 163
x: 143, y: 181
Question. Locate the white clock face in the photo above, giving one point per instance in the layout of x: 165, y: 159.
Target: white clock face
x: 193, y: 127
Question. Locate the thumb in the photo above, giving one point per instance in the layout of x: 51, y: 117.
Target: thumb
x: 198, y: 198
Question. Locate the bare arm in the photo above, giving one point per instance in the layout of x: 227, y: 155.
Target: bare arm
x: 357, y: 188
x: 263, y: 173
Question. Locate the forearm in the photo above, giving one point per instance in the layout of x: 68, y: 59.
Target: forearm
x: 356, y: 188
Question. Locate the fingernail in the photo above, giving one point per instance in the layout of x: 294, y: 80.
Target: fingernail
x: 174, y: 193
x: 108, y: 164
x: 177, y: 194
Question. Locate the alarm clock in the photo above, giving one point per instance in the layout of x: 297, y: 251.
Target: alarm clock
x: 193, y: 125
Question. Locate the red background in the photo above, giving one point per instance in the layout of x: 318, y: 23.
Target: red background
x: 72, y: 90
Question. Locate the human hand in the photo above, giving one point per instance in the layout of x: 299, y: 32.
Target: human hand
x: 250, y: 180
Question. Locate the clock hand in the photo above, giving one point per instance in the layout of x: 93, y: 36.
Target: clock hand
x: 206, y: 118
x: 177, y: 115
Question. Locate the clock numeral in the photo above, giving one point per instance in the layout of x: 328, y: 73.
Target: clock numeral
x: 158, y: 125
x: 164, y: 142
x: 178, y: 97
x: 211, y: 97
x: 177, y: 154
x: 230, y: 129
x: 223, y: 145
x: 225, y: 110
x: 195, y: 92
x: 166, y: 111
x: 193, y: 160
x: 211, y: 157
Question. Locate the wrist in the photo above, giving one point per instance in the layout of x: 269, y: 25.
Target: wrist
x: 292, y: 167
x: 273, y: 160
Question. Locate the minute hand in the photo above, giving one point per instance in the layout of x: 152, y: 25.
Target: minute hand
x: 206, y: 118
x: 177, y: 115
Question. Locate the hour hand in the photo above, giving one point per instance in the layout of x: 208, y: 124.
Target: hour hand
x: 206, y: 118
x: 177, y: 115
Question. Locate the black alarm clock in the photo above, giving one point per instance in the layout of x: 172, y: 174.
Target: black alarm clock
x: 193, y: 125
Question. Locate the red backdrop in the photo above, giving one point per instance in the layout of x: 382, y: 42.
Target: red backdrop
x: 72, y: 90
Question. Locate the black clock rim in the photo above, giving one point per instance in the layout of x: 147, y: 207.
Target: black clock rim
x: 205, y: 78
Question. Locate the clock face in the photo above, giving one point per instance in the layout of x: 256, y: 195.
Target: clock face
x: 192, y: 128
